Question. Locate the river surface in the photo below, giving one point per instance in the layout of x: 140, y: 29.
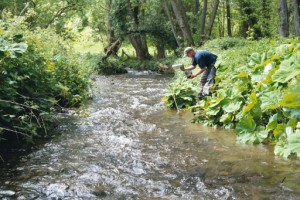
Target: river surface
x: 126, y: 145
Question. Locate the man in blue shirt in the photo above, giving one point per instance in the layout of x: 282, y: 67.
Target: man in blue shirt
x: 206, y: 61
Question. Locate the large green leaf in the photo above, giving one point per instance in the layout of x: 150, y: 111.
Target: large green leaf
x: 291, y: 98
x: 18, y: 47
x: 226, y: 118
x: 292, y: 113
x: 232, y: 107
x: 279, y: 130
x: 289, y: 69
x: 291, y: 146
x: 257, y: 58
x: 246, y: 125
x: 273, y: 121
x: 269, y: 100
x: 213, y: 111
x: 255, y: 137
x: 14, y: 49
x: 216, y: 102
x: 252, y: 102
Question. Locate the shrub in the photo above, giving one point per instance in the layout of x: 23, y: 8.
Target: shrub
x: 38, y: 73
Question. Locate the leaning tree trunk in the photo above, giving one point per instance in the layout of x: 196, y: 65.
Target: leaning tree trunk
x: 113, y: 43
x: 112, y: 49
x: 283, y: 18
x: 167, y: 11
x: 140, y: 45
x: 296, y: 17
x: 212, y: 18
x: 182, y: 21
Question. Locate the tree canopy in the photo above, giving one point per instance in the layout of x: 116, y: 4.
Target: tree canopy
x: 165, y: 24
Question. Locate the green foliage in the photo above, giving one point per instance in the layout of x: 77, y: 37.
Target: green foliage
x: 38, y: 73
x: 289, y: 144
x: 259, y: 99
x: 226, y: 43
x: 181, y: 93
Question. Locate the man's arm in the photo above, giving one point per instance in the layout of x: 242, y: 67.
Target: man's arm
x: 191, y: 67
x: 198, y: 73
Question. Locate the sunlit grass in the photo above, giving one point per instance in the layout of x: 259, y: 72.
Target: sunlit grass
x: 87, y: 43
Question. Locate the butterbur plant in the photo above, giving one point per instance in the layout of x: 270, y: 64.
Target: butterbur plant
x: 181, y: 93
x: 260, y: 99
x: 289, y: 144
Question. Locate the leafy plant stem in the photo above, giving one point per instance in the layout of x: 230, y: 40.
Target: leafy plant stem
x: 174, y: 97
x: 10, y: 130
x: 12, y: 102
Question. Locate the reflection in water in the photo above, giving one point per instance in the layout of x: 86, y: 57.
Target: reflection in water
x: 130, y: 147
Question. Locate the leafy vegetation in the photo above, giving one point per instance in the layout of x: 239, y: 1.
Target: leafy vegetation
x: 38, y: 75
x: 182, y: 93
x: 40, y: 72
x: 259, y: 99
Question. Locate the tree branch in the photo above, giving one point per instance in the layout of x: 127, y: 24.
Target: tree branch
x: 60, y: 12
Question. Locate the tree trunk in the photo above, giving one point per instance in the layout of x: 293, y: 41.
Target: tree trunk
x: 110, y: 31
x: 111, y: 48
x: 160, y: 50
x: 228, y: 15
x: 195, y: 18
x: 167, y: 11
x: 265, y: 18
x: 137, y: 39
x: 15, y: 10
x: 140, y: 45
x: 202, y: 22
x: 182, y: 21
x: 221, y: 19
x: 296, y: 17
x: 212, y: 18
x: 283, y: 18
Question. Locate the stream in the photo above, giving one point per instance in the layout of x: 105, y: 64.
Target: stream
x: 126, y: 145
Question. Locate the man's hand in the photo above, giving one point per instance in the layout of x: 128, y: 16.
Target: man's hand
x: 191, y: 76
x: 182, y: 68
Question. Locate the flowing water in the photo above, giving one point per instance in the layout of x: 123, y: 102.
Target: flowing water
x: 126, y: 145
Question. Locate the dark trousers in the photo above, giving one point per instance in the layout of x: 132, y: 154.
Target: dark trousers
x: 207, y: 80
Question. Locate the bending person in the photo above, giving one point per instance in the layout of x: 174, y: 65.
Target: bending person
x: 206, y: 61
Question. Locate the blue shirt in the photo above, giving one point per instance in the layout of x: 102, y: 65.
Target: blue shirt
x: 203, y: 58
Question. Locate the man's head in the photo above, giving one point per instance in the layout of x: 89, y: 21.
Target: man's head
x: 188, y: 52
